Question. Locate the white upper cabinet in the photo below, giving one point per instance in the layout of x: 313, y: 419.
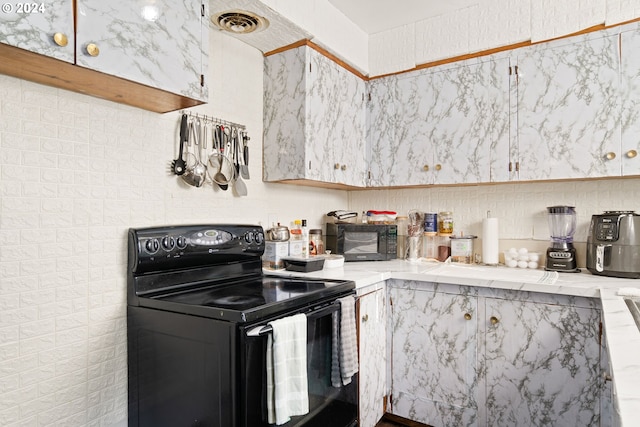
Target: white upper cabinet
x: 568, y: 109
x: 151, y: 54
x: 161, y: 43
x: 441, y: 125
x: 314, y: 120
x: 43, y: 27
x: 630, y: 121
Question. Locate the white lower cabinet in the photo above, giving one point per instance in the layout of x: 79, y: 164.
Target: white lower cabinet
x: 468, y: 356
x: 372, y: 350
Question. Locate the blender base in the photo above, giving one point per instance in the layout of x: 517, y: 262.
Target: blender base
x: 561, y: 260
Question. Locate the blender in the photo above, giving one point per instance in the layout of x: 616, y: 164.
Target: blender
x: 561, y: 255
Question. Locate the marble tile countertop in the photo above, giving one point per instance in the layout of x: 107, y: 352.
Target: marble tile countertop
x: 623, y: 337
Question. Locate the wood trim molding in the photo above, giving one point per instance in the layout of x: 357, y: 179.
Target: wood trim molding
x: 322, y: 51
x: 49, y: 71
x: 306, y: 42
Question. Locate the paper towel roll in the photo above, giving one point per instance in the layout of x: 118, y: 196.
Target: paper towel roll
x: 490, y: 252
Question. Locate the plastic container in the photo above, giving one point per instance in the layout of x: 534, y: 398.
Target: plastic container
x: 429, y: 246
x: 303, y: 265
x: 462, y: 249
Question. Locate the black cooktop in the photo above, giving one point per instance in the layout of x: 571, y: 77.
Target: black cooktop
x: 255, y: 299
x: 215, y: 271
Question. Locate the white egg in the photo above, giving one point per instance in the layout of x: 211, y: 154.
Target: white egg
x: 512, y: 263
x: 523, y: 257
x: 534, y: 257
x: 523, y: 251
x: 513, y: 252
x: 532, y: 264
x: 522, y: 264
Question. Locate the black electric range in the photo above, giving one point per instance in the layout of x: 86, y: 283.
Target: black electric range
x: 191, y: 287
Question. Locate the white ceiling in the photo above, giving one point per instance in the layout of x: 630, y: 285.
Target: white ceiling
x: 374, y: 16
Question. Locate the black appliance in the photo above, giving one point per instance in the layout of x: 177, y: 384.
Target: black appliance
x: 363, y: 242
x: 561, y: 255
x: 194, y: 294
x: 613, y: 244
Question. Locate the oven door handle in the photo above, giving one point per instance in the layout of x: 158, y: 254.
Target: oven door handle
x: 257, y: 331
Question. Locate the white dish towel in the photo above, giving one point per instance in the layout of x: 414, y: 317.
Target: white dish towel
x: 287, y: 384
x: 344, y: 343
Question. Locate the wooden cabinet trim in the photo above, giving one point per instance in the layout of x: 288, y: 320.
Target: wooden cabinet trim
x: 41, y: 69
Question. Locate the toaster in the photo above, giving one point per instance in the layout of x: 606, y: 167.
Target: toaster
x: 613, y: 244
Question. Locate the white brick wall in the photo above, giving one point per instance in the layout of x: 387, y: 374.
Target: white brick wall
x: 521, y: 208
x: 494, y: 23
x: 75, y: 173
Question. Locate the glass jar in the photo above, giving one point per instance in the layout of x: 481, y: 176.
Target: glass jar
x: 445, y: 223
x: 429, y: 246
x: 316, y: 245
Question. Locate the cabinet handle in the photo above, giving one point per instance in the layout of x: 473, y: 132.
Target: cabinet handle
x: 610, y: 155
x: 60, y: 39
x: 343, y: 167
x: 631, y: 154
x: 92, y: 49
x: 336, y: 166
x: 425, y: 168
x: 494, y: 320
x: 365, y: 318
x: 510, y: 167
x: 438, y: 167
x: 467, y: 316
x: 517, y: 166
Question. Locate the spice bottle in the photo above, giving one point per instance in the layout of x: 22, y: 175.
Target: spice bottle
x: 316, y: 245
x: 305, y: 239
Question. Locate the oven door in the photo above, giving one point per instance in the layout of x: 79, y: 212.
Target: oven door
x: 328, y: 405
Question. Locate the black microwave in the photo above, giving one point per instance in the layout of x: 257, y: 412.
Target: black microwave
x: 363, y: 242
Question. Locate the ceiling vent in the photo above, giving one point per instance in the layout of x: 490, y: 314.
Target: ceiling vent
x: 239, y: 22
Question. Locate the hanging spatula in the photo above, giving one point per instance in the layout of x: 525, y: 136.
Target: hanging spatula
x: 244, y: 166
x: 179, y: 166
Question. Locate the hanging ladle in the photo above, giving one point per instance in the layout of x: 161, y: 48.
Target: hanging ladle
x: 239, y: 186
x: 219, y: 162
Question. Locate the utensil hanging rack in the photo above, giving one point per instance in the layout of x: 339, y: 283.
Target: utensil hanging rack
x: 229, y: 153
x: 213, y: 120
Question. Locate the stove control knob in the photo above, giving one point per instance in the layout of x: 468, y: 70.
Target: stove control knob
x: 152, y: 246
x: 259, y: 238
x: 181, y: 242
x: 248, y: 238
x: 168, y: 243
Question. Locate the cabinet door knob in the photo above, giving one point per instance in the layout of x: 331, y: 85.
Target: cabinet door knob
x: 467, y: 316
x: 610, y: 155
x: 631, y: 154
x: 60, y: 39
x: 343, y: 167
x: 494, y: 320
x: 336, y: 166
x: 425, y: 168
x: 92, y: 49
x: 365, y: 318
x: 438, y: 167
